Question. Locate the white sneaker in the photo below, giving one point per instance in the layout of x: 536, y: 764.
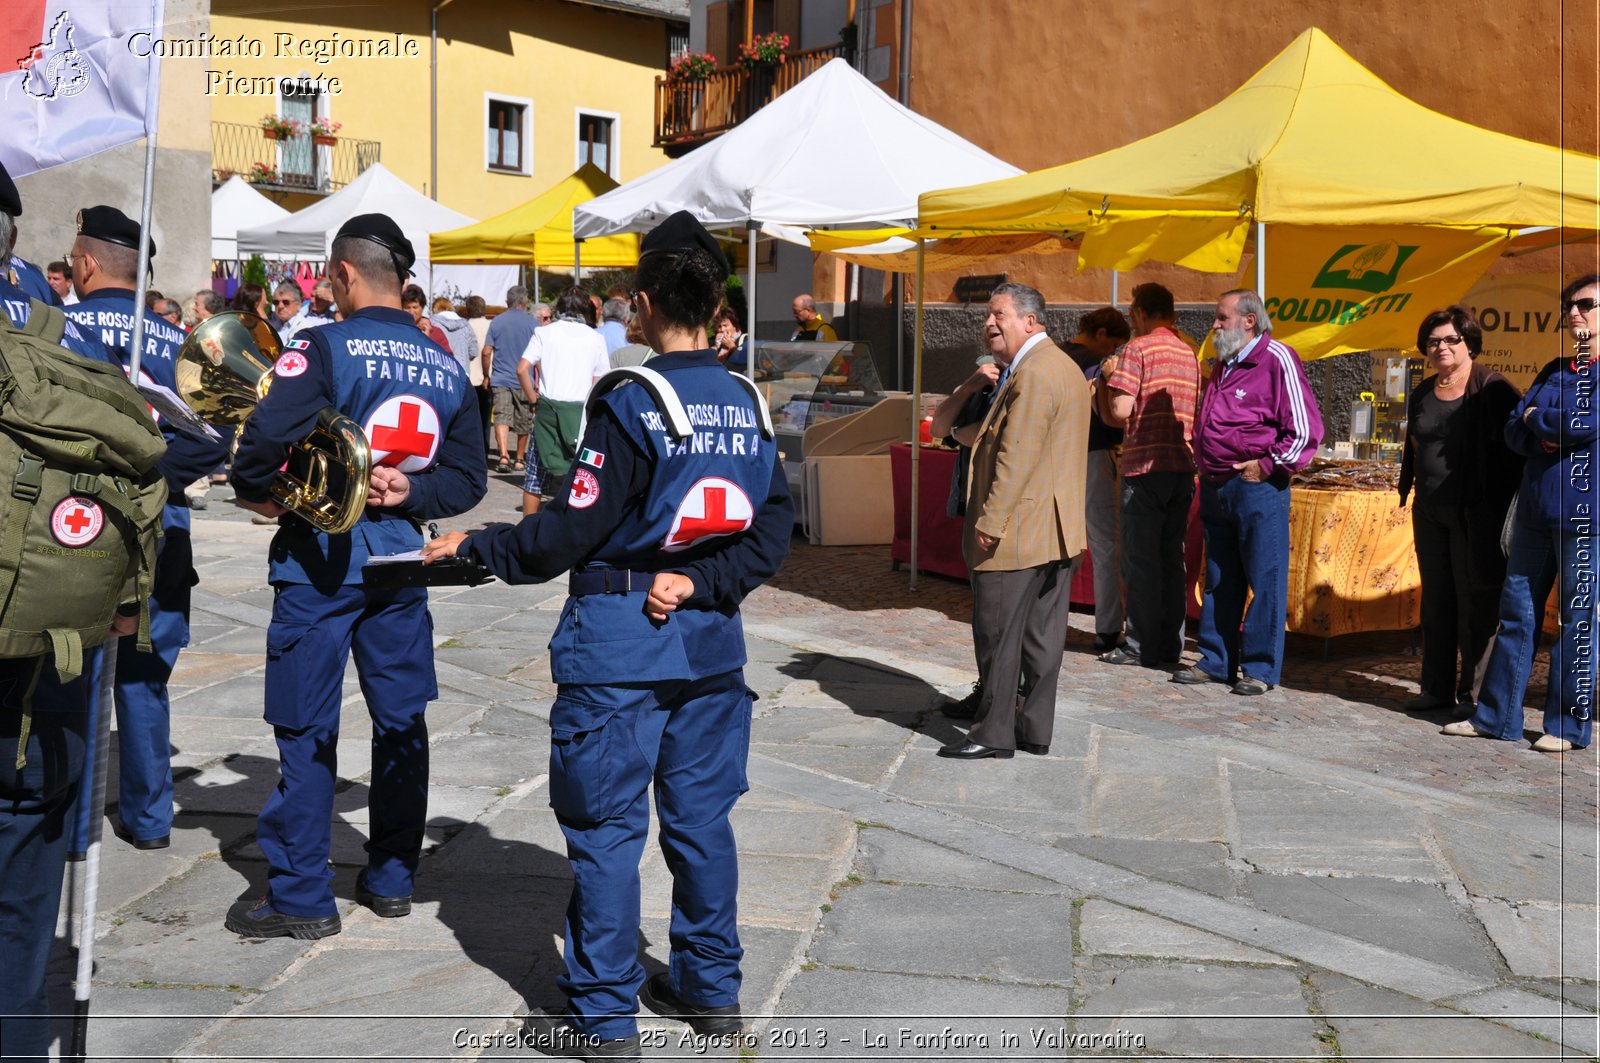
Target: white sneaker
x: 1551, y: 744
x: 1463, y: 729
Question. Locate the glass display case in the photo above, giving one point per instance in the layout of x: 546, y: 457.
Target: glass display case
x: 807, y: 383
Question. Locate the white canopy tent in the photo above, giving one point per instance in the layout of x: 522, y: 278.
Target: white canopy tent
x: 234, y: 206
x: 835, y: 150
x: 309, y: 233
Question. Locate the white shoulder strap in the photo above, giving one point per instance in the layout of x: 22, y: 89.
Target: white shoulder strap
x: 667, y: 400
x: 761, y: 404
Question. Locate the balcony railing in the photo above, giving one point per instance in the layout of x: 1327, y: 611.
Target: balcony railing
x: 293, y: 165
x: 689, y: 113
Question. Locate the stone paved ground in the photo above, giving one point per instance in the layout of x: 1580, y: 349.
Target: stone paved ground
x: 1313, y: 874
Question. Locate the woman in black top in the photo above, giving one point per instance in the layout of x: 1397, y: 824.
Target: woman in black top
x: 1465, y: 477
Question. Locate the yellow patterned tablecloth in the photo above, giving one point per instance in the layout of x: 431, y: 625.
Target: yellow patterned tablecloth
x: 1352, y: 564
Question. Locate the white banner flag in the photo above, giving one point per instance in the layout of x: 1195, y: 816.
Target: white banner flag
x: 75, y: 78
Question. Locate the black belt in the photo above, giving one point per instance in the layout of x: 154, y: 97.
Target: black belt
x: 609, y: 581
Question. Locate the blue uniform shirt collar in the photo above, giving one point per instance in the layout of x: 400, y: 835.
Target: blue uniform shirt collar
x: 107, y: 293
x: 683, y: 360
x: 391, y: 314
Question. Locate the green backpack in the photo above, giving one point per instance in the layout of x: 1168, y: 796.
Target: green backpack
x: 80, y: 496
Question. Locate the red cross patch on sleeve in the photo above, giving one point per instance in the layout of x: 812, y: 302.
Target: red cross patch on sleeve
x: 585, y: 490
x: 290, y: 363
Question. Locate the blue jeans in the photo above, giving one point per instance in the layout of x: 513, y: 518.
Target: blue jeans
x: 1544, y: 554
x: 690, y: 740
x: 1247, y: 550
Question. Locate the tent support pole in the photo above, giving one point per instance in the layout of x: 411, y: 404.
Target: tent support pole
x: 916, y: 415
x: 751, y: 228
x: 536, y: 280
x: 1261, y: 259
x: 1116, y: 277
x: 577, y: 263
x: 897, y: 298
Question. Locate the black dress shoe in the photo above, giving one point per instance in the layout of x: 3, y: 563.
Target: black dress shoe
x: 386, y: 907
x: 258, y: 919
x: 974, y: 751
x: 120, y: 829
x: 1194, y: 677
x: 657, y: 995
x: 966, y: 708
x: 1038, y: 749
x: 554, y: 1035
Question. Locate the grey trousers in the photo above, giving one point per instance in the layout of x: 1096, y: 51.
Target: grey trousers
x: 1019, y: 626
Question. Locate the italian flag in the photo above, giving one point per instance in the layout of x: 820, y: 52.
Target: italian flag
x: 592, y: 457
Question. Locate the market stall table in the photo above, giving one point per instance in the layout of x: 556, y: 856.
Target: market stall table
x: 1352, y: 564
x: 938, y: 535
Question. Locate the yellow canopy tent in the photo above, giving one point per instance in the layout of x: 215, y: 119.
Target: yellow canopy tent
x: 1312, y: 139
x: 539, y: 232
x: 1345, y: 170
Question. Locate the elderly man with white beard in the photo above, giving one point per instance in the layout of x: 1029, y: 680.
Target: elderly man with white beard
x: 1258, y: 424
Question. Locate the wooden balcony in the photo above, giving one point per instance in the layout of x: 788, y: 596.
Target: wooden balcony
x: 689, y: 113
x: 293, y: 165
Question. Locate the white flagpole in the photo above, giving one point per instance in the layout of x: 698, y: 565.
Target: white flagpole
x: 108, y: 658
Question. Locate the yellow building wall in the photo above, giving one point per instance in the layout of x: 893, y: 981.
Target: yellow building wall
x: 561, y: 56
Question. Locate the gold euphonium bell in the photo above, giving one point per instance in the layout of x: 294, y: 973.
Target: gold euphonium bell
x: 224, y: 368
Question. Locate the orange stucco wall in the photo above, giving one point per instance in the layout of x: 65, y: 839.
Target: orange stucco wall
x: 1042, y: 82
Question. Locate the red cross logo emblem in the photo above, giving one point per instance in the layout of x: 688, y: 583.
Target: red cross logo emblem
x: 290, y: 363
x: 76, y: 522
x: 712, y: 507
x: 404, y: 433
x: 585, y: 490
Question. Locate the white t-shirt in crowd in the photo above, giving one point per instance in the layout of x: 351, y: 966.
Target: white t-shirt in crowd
x: 567, y: 356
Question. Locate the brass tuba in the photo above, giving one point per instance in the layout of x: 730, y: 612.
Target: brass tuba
x: 224, y: 368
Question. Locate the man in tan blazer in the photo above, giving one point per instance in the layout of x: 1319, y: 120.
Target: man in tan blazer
x: 1024, y: 524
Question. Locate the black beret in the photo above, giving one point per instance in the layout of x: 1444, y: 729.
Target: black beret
x: 112, y: 226
x: 381, y: 230
x: 10, y: 200
x: 682, y: 232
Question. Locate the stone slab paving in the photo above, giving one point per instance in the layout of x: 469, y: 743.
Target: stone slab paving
x: 1542, y: 942
x: 1314, y: 874
x: 1372, y: 1023
x: 1199, y: 865
x: 1106, y: 929
x: 1416, y: 918
x: 1204, y: 1011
